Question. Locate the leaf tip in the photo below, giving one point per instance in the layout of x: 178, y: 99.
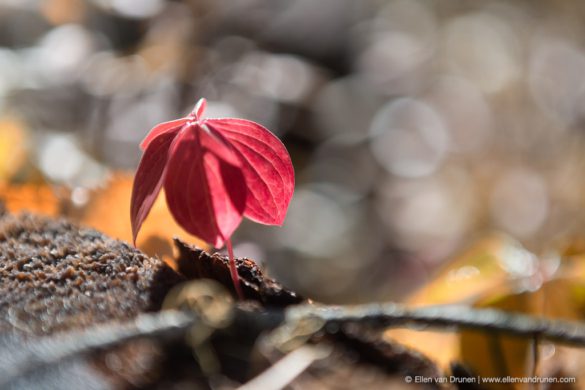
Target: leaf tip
x: 135, y: 230
x: 199, y: 109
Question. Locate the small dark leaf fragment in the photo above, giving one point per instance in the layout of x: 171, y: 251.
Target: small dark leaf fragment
x: 195, y: 263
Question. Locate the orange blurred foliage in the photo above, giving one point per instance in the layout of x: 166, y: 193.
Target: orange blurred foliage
x: 108, y: 211
x: 35, y: 198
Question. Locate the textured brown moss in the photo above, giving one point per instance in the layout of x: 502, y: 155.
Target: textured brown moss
x: 55, y: 276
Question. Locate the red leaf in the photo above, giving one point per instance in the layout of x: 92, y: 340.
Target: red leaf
x: 214, y: 172
x: 149, y: 178
x: 266, y: 165
x: 160, y: 129
x: 205, y: 188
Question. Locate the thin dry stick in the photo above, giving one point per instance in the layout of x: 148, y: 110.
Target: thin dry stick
x: 487, y: 320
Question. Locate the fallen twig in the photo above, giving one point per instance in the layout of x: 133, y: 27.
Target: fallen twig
x: 488, y: 320
x: 173, y: 324
x: 46, y: 351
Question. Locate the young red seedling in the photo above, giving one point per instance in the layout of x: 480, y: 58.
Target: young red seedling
x: 214, y: 172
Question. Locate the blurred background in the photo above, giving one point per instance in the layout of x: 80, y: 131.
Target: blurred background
x: 416, y: 128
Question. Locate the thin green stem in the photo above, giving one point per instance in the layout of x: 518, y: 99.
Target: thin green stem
x: 234, y: 269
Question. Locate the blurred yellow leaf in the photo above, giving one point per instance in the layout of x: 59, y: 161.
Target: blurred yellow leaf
x: 441, y: 347
x: 497, y: 272
x: 561, y: 297
x: 495, y: 355
x: 13, y: 146
x: 478, y: 270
